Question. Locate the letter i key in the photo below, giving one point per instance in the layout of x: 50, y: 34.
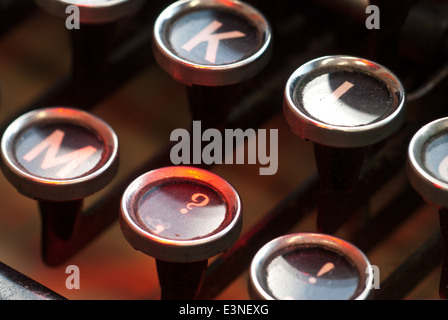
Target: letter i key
x: 427, y: 171
x: 212, y: 47
x: 59, y: 156
x: 343, y: 105
x: 181, y: 216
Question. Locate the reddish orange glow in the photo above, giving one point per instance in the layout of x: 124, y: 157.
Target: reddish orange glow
x: 229, y: 3
x: 370, y: 64
x: 67, y: 111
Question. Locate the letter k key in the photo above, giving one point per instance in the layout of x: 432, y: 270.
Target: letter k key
x: 213, y: 39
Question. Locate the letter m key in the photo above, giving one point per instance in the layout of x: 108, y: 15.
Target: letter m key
x: 52, y: 144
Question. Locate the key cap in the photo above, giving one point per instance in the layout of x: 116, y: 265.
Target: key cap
x: 310, y: 266
x: 211, y: 47
x: 92, y: 42
x: 181, y: 216
x: 343, y: 105
x: 59, y: 156
x: 427, y: 171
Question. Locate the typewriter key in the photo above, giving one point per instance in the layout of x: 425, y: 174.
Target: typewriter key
x: 181, y: 216
x: 427, y: 171
x: 343, y: 105
x: 59, y: 156
x: 309, y: 266
x: 91, y: 38
x: 211, y: 46
x: 427, y: 165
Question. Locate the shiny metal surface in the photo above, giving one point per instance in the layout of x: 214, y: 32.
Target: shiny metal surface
x: 47, y: 188
x: 321, y: 115
x: 182, y: 250
x: 259, y: 270
x: 191, y: 72
x: 432, y: 185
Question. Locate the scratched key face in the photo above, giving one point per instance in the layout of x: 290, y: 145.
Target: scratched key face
x: 436, y: 156
x: 59, y: 150
x: 182, y: 210
x: 345, y: 98
x: 311, y: 274
x: 213, y: 37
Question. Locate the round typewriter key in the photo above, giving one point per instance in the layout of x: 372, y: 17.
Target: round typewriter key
x: 59, y: 156
x: 344, y: 101
x: 427, y: 165
x: 93, y: 11
x: 309, y: 266
x: 211, y: 43
x: 213, y: 47
x: 427, y: 171
x: 343, y: 105
x: 181, y: 216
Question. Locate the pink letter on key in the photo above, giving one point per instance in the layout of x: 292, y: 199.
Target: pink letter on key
x: 212, y: 39
x: 53, y: 143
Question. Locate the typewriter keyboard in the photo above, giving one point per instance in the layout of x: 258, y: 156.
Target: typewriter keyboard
x: 224, y: 150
